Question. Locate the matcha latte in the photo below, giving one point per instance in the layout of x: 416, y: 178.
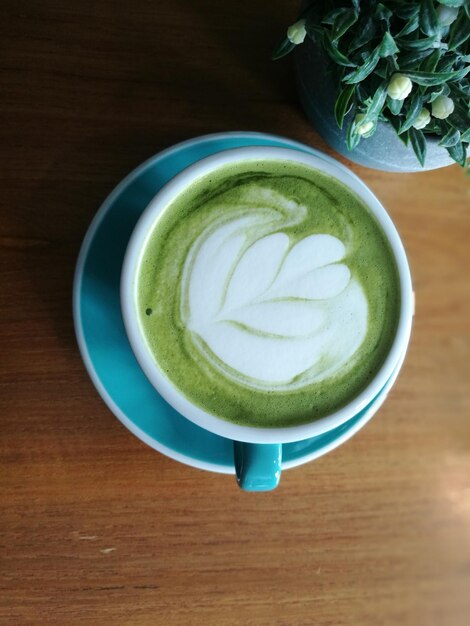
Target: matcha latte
x: 268, y: 294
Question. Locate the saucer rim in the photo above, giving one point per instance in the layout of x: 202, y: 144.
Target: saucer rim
x: 82, y: 344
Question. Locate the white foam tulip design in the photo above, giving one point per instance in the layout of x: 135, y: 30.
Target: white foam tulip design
x: 267, y: 313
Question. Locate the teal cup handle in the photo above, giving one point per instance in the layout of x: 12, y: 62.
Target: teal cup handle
x: 257, y: 465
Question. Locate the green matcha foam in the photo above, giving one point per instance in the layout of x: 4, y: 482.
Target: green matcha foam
x: 268, y: 294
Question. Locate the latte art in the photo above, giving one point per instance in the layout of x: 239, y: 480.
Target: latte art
x: 268, y: 313
x: 267, y: 293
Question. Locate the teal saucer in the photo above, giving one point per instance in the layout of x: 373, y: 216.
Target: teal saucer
x: 100, y: 331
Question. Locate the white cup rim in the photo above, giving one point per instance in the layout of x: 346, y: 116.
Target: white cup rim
x: 160, y: 381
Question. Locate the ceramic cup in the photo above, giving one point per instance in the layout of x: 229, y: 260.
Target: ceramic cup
x: 258, y: 451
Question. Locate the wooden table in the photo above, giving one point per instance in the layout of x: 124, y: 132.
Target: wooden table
x: 97, y: 528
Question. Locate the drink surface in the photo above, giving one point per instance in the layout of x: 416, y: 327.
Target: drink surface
x: 268, y: 293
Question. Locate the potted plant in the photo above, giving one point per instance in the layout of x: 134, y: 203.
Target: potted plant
x: 386, y: 83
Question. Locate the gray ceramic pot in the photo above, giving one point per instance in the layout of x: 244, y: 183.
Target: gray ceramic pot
x: 383, y: 151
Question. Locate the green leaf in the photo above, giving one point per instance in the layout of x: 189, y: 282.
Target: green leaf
x: 429, y: 64
x: 428, y: 21
x: 332, y: 15
x: 458, y: 153
x: 459, y: 92
x: 442, y: 91
x: 460, y: 118
x: 453, y: 3
x: 285, y: 46
x: 395, y: 122
x: 415, y: 106
x: 459, y: 31
x: 411, y: 60
x: 451, y: 138
x: 417, y: 44
x: 343, y: 23
x: 352, y: 138
x: 388, y: 46
x: 465, y: 136
x: 343, y: 104
x: 446, y: 62
x: 430, y: 79
x: 418, y: 143
x: 337, y: 56
x: 405, y: 137
x: 376, y: 104
x: 465, y: 87
x: 365, y: 32
x: 411, y: 25
x: 407, y: 10
x: 392, y: 64
x: 395, y: 106
x: 383, y: 13
x: 363, y: 70
x: 433, y: 128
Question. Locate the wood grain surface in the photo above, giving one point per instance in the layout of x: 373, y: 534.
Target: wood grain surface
x: 96, y: 528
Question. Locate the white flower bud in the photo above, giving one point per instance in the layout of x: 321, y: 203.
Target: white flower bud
x: 296, y: 32
x: 362, y: 129
x: 399, y: 87
x: 446, y: 15
x: 442, y: 107
x: 422, y: 120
